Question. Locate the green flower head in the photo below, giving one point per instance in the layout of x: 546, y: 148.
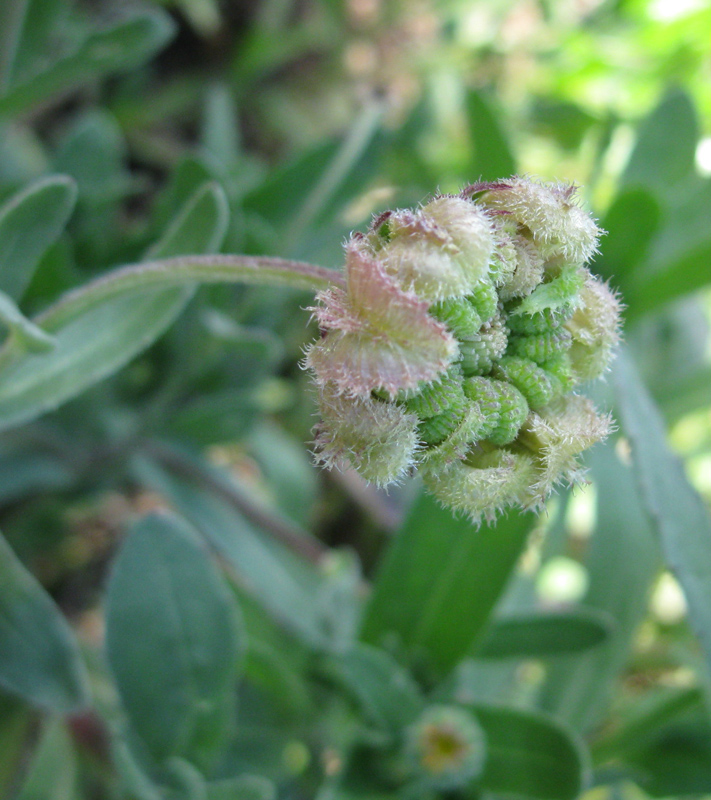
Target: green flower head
x: 457, y: 345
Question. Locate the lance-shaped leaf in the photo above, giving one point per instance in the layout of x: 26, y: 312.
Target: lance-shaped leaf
x: 30, y: 221
x: 174, y: 640
x: 95, y: 337
x: 676, y: 509
x: 39, y: 656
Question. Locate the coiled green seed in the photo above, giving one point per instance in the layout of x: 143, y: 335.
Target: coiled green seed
x: 459, y: 315
x: 503, y: 408
x: 535, y: 384
x: 541, y: 322
x: 485, y: 300
x: 541, y: 346
x: 435, y: 430
x: 560, y: 367
x: 439, y: 396
x: 483, y: 393
x: 512, y: 414
x: 478, y: 354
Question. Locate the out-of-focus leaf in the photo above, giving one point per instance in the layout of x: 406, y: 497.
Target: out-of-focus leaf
x: 679, y: 256
x: 102, y: 336
x: 131, y: 776
x: 15, y: 728
x: 641, y: 723
x: 25, y: 334
x: 531, y: 755
x: 42, y: 27
x: 669, y: 348
x: 94, y: 153
x: 663, y: 156
x: 578, y: 688
x: 52, y: 772
x: 542, y: 634
x: 23, y: 473
x: 439, y: 582
x: 39, y: 656
x: 288, y: 468
x: 288, y: 586
x: 493, y: 158
x: 173, y: 640
x: 313, y: 188
x: 631, y: 223
x: 563, y: 121
x: 387, y: 693
x: 246, y: 787
x: 675, y: 760
x: 12, y: 18
x: 676, y: 509
x: 188, y: 177
x: 29, y: 223
x: 120, y: 47
x: 220, y: 135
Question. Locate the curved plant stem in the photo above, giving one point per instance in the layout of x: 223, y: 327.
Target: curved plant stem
x: 190, y: 269
x: 288, y: 534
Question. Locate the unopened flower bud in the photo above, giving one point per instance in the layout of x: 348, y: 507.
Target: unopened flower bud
x: 440, y: 251
x: 377, y: 438
x: 550, y: 214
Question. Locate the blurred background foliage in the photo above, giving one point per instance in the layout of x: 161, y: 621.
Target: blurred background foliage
x: 275, y: 127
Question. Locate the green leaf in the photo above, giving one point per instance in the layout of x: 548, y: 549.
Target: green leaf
x: 220, y: 135
x: 93, y: 151
x: 121, y: 47
x: 530, y: 754
x: 16, y: 725
x: 640, y: 719
x: 39, y: 656
x: 667, y: 748
x: 544, y: 634
x: 26, y: 472
x: 12, y: 18
x: 493, y: 158
x: 99, y: 337
x: 26, y: 335
x: 631, y: 223
x: 246, y: 787
x: 53, y: 770
x: 439, y: 582
x: 173, y: 636
x: 622, y: 561
x: 286, y: 585
x: 676, y: 509
x: 313, y: 188
x: 30, y: 222
x: 131, y: 776
x: 666, y: 146
x: 679, y: 257
x: 387, y: 693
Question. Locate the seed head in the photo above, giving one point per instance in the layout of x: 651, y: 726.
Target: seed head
x: 454, y: 350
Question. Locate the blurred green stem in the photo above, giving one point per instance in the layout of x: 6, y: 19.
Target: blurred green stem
x: 281, y: 529
x: 349, y: 153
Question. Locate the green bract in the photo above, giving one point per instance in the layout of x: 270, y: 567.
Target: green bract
x: 456, y: 346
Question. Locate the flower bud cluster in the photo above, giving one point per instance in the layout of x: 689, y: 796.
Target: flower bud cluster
x: 455, y: 347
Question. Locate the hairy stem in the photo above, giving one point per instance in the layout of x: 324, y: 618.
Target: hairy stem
x: 285, y: 532
x: 190, y: 269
